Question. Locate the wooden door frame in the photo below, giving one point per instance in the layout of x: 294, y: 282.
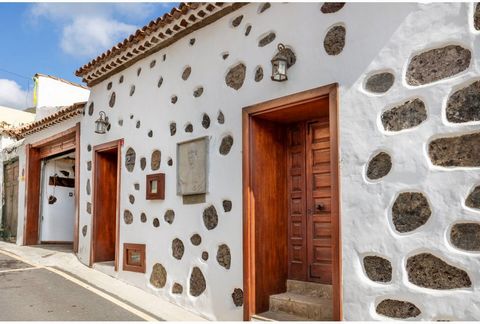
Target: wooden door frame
x: 248, y: 113
x: 35, y: 153
x: 117, y: 144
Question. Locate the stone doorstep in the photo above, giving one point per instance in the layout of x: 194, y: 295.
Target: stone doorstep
x: 313, y: 308
x: 277, y: 316
x: 312, y: 289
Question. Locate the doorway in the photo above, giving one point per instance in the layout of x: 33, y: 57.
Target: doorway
x: 106, y: 198
x: 10, y: 207
x: 291, y: 209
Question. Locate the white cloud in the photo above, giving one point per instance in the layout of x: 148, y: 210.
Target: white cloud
x: 89, y: 29
x: 88, y: 37
x: 12, y: 95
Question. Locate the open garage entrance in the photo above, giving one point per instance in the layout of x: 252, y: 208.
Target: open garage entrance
x: 291, y: 207
x: 51, y: 189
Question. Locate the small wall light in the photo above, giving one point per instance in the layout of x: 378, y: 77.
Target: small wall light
x: 283, y: 60
x: 102, y: 124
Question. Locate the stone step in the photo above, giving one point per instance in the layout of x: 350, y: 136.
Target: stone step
x: 312, y: 289
x: 277, y: 317
x: 312, y: 308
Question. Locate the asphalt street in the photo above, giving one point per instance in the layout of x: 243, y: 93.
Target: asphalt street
x: 29, y: 293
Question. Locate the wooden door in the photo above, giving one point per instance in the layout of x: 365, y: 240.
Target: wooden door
x: 10, y: 209
x: 309, y: 199
x: 105, y: 209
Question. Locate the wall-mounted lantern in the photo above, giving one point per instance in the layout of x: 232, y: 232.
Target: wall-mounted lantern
x: 102, y: 124
x: 283, y: 60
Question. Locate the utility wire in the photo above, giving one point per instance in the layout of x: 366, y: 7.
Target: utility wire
x: 27, y: 94
x: 16, y: 74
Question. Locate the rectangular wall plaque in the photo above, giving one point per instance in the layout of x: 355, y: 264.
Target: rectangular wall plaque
x: 192, y: 167
x: 134, y: 257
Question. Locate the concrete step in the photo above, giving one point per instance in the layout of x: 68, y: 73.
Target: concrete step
x: 309, y: 289
x: 312, y: 308
x: 277, y: 317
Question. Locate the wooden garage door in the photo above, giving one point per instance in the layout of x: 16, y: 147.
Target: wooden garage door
x: 10, y: 209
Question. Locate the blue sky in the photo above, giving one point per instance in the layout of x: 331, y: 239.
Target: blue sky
x: 58, y: 38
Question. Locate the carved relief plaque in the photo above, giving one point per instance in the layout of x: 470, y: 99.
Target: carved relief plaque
x: 192, y: 167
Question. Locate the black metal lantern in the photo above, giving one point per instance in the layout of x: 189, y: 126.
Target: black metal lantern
x: 281, y: 62
x: 102, y: 124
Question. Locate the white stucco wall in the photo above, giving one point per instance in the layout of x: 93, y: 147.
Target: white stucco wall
x: 380, y: 37
x: 53, y: 93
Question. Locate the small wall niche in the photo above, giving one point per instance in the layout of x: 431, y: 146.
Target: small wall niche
x: 134, y: 257
x: 155, y: 186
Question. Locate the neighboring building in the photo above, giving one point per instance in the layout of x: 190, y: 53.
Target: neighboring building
x: 9, y: 118
x: 353, y: 184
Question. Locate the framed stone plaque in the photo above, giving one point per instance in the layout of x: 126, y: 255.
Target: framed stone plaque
x: 192, y: 167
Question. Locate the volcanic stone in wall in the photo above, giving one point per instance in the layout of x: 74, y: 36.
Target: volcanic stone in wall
x: 152, y: 63
x: 437, y: 64
x: 198, y: 92
x: 410, y: 114
x: 379, y: 166
x: 236, y: 22
x: 410, y: 211
x: 139, y: 70
x: 90, y: 109
x: 210, y: 217
x: 158, y: 278
x: 466, y: 236
x: 428, y: 271
x: 264, y: 6
x: 89, y: 207
x: 88, y: 187
x: 204, y: 255
x: 248, y: 30
x: 132, y: 90
x: 138, y: 124
x: 89, y: 148
x: 226, y: 145
x: 235, y: 76
x: 458, y: 151
x: 205, y: 121
x: 89, y: 165
x: 197, y: 282
x: 397, y: 309
x: 109, y: 86
x: 237, y: 297
x: 84, y: 230
x: 156, y: 222
x: 331, y: 7
x: 377, y: 268
x: 173, y: 129
x: 169, y: 216
x: 192, y: 41
x: 156, y: 158
x: 130, y: 159
x: 143, y: 217
x: 464, y: 105
x: 227, y: 205
x: 267, y: 39
x: 131, y: 198
x: 380, y: 82
x: 223, y: 256
x: 111, y: 102
x: 196, y: 239
x: 136, y: 186
x: 177, y: 288
x: 160, y: 82
x: 473, y: 199
x: 170, y: 162
x: 258, y: 74
x: 120, y: 80
x: 476, y: 17
x: 131, y: 116
x: 334, y: 41
x: 143, y: 163
x: 127, y: 217
x: 150, y: 133
x: 177, y: 249
x: 220, y: 118
x: 186, y: 73
x: 189, y: 128
x: 174, y: 99
x: 225, y: 56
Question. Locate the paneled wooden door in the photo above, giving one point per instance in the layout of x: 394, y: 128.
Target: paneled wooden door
x: 309, y: 202
x: 10, y: 209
